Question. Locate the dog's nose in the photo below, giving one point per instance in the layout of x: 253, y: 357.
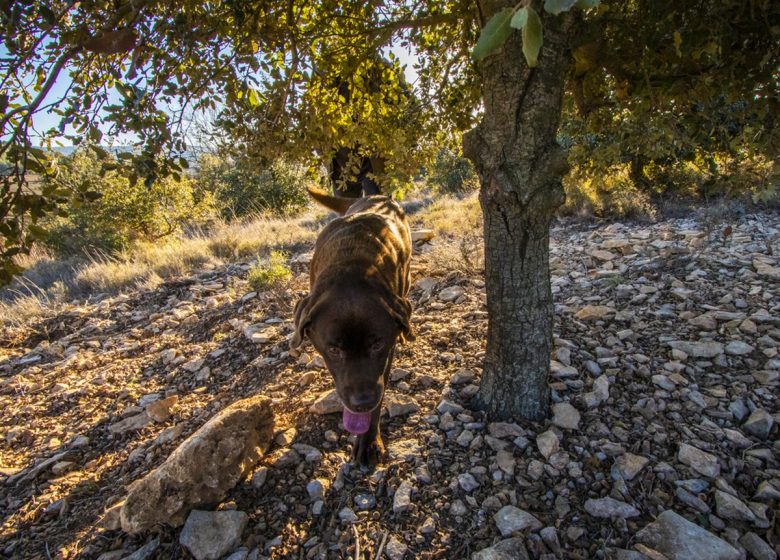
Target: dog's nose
x: 362, y: 401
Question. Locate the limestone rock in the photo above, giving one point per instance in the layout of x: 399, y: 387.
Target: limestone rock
x: 610, y: 507
x: 209, y: 535
x: 508, y: 549
x: 510, y: 519
x: 679, y: 539
x: 203, y: 468
x: 565, y: 416
x: 702, y: 462
x: 327, y: 403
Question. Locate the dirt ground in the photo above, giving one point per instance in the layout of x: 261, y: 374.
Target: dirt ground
x: 625, y: 294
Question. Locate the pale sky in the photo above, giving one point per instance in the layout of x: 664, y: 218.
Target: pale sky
x: 45, y: 120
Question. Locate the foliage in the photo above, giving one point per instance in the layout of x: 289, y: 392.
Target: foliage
x: 121, y: 212
x: 453, y: 174
x: 651, y: 83
x: 270, y: 274
x: 675, y: 100
x: 240, y: 189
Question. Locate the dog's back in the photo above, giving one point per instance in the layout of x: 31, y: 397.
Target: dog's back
x: 372, y: 239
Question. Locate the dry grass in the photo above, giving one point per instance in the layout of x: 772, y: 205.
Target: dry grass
x: 450, y: 216
x: 49, y: 282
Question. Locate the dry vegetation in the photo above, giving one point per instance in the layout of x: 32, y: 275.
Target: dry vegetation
x: 48, y: 282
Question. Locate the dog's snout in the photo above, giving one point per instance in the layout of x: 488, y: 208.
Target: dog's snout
x: 362, y: 401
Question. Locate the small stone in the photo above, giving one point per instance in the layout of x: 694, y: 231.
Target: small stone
x: 286, y: 437
x: 508, y: 549
x: 402, y: 499
x: 702, y: 462
x: 346, y: 515
x: 61, y: 467
x: 548, y: 443
x: 766, y: 491
x: 258, y: 479
x: 505, y: 429
x: 679, y: 539
x: 160, y: 410
x: 594, y: 313
x: 462, y: 376
x: 731, y: 507
x: 510, y: 519
x: 631, y: 465
x: 401, y: 405
x: 130, y: 424
x: 209, y: 535
x: 428, y: 526
x: 701, y: 349
x: 448, y: 406
x: 467, y: 482
x: 759, y: 423
x: 609, y: 507
x: 565, y: 416
x: 664, y: 382
x: 146, y: 551
x: 550, y: 537
x: 738, y: 348
x: 397, y: 374
x: 395, y: 549
x: 757, y: 547
x: 316, y: 489
x: 193, y: 365
x: 327, y: 403
x: 458, y: 508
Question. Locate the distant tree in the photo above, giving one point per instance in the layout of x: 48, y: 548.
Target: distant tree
x: 268, y: 67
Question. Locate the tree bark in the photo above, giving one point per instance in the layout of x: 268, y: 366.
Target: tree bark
x: 520, y: 166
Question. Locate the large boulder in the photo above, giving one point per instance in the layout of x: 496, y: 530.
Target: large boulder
x: 203, y: 468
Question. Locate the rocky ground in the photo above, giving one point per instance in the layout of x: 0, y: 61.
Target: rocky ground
x: 663, y: 442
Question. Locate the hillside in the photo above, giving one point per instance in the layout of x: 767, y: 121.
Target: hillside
x: 664, y: 381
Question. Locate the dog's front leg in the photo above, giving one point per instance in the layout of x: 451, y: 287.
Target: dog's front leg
x: 368, y: 448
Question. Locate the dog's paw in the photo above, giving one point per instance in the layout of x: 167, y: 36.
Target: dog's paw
x: 368, y: 450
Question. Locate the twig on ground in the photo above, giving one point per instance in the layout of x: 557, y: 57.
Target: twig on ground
x: 357, y: 542
x: 381, y: 547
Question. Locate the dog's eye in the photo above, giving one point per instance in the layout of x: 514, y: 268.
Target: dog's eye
x: 335, y: 351
x: 377, y: 346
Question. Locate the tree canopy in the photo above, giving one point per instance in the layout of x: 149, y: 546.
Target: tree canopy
x: 647, y: 81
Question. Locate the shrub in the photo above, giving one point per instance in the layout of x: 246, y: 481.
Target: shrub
x: 123, y: 214
x: 453, y: 174
x: 271, y: 274
x: 239, y: 189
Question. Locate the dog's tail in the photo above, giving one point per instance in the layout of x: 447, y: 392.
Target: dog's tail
x: 335, y: 203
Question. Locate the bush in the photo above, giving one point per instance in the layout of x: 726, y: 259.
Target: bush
x: 271, y: 274
x: 124, y: 213
x: 240, y: 190
x: 453, y: 174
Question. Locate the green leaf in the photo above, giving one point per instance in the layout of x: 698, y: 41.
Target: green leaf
x: 519, y: 19
x: 532, y: 38
x: 37, y: 231
x: 493, y: 34
x: 585, y: 4
x: 556, y: 7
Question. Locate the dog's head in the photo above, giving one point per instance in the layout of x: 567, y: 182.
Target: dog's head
x: 355, y: 329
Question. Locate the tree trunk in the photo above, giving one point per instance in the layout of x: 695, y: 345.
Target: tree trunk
x: 520, y: 166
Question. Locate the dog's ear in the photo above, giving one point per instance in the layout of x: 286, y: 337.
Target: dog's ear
x: 302, y: 318
x: 401, y: 310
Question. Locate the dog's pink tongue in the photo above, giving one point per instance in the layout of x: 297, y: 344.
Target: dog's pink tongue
x: 356, y: 422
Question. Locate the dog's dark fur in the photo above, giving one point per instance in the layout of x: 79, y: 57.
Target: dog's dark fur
x: 357, y: 308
